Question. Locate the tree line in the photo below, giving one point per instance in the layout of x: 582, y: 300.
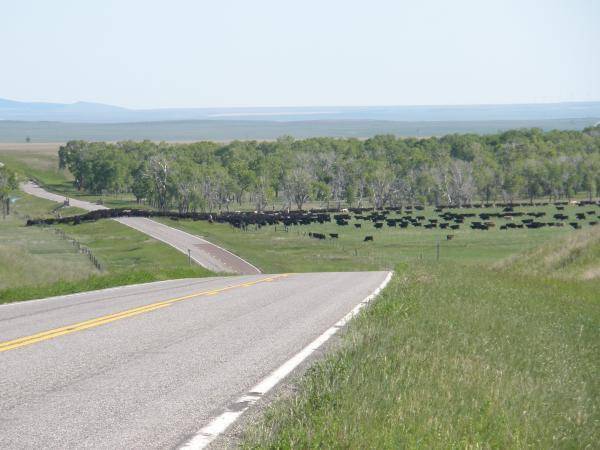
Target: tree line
x: 382, y: 171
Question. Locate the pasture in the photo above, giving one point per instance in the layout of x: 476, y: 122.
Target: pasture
x: 277, y: 248
x: 37, y: 262
x: 486, y: 337
x: 459, y: 355
x: 39, y: 161
x: 34, y: 255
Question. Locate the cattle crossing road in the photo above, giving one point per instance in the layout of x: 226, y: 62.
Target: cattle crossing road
x: 204, y: 253
x: 157, y: 365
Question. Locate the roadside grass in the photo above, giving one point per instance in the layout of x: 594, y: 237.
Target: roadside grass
x: 35, y: 262
x: 274, y: 250
x: 94, y: 282
x: 453, y: 355
x: 577, y: 256
x: 121, y: 249
x: 35, y: 256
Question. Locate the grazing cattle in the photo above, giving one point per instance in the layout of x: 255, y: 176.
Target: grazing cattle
x: 575, y: 225
x: 455, y: 227
x: 449, y: 237
x: 479, y: 226
x: 333, y: 235
x: 594, y: 222
x: 368, y: 239
x: 378, y: 225
x: 357, y: 225
x: 536, y: 225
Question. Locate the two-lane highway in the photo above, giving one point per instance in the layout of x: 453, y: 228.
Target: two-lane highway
x: 204, y: 253
x: 148, y: 366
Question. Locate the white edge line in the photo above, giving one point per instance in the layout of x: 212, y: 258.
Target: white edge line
x: 170, y: 244
x: 208, y: 242
x: 219, y: 424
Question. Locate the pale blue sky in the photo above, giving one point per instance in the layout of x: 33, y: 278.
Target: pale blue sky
x: 186, y: 53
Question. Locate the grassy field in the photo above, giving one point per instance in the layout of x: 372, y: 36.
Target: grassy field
x: 577, y: 256
x: 36, y: 262
x: 40, y: 162
x: 487, y: 340
x: 275, y: 250
x: 30, y: 255
x: 456, y: 355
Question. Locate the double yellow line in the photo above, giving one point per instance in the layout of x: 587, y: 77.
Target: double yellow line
x: 56, y: 332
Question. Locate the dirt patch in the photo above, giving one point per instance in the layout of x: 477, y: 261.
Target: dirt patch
x: 591, y: 273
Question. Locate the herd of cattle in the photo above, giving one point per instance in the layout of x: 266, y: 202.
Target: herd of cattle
x: 446, y: 218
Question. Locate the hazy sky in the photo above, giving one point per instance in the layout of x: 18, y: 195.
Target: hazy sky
x: 184, y: 53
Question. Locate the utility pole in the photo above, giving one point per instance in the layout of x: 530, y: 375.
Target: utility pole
x: 189, y: 257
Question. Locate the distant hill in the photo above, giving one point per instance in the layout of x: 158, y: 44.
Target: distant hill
x: 85, y: 112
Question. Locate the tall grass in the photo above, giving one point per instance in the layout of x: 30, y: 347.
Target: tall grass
x: 36, y: 262
x: 576, y: 256
x: 454, y: 356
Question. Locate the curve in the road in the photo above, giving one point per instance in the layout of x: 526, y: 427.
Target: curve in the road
x: 203, y: 252
x: 153, y: 379
x: 162, y: 364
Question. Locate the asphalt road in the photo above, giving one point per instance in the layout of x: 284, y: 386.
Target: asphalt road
x: 147, y: 366
x: 204, y: 253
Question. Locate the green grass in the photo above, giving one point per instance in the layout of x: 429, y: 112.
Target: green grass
x: 121, y: 248
x: 453, y: 356
x: 575, y: 257
x: 41, y: 164
x: 94, y: 282
x: 35, y: 262
x: 38, y: 165
x: 35, y: 256
x: 274, y: 250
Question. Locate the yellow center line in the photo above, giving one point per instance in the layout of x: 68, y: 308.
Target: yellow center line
x: 51, y: 334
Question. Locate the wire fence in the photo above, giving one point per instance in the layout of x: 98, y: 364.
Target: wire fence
x: 79, y: 247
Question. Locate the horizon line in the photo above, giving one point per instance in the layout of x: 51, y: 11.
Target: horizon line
x: 428, y: 105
